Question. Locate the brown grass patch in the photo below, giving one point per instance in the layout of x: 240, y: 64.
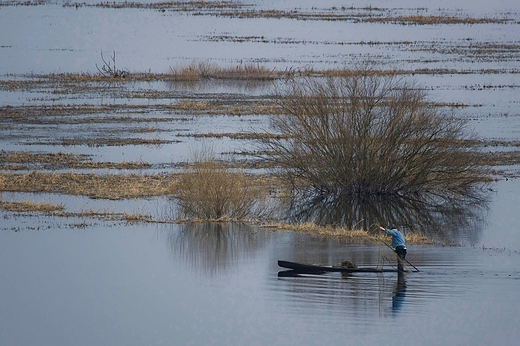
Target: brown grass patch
x: 435, y: 20
x: 112, y: 187
x: 21, y: 160
x: 177, y: 6
x: 108, y: 216
x: 353, y: 234
x: 101, y: 142
x: 202, y: 70
x: 28, y: 206
x: 241, y: 135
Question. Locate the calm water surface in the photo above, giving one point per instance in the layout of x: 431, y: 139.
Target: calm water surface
x: 219, y: 284
x: 90, y: 282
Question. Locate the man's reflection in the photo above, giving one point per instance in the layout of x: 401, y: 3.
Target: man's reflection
x: 399, y: 293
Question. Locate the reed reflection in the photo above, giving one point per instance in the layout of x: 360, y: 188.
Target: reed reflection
x: 449, y: 222
x: 205, y: 85
x: 213, y: 248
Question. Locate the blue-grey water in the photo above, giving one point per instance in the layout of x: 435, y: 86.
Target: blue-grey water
x: 86, y: 282
x: 83, y: 281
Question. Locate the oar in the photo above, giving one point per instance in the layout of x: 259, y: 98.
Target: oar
x: 399, y: 258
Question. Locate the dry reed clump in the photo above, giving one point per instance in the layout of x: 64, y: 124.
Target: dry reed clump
x: 326, y: 231
x: 192, y: 105
x: 417, y: 238
x: 208, y: 190
x: 369, y: 136
x: 353, y: 234
x: 108, y: 216
x: 28, y: 206
x: 203, y: 70
x: 236, y: 109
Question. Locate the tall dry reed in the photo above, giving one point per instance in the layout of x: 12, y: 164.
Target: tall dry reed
x: 209, y: 190
x: 203, y: 70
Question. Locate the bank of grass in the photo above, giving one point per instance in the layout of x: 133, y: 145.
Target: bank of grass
x: 23, y: 160
x: 107, y: 186
x: 85, y: 82
x: 102, y: 142
x: 28, y: 206
x: 341, y: 232
x: 203, y: 70
x: 240, y: 135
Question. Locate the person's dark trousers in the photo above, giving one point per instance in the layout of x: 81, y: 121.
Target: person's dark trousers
x: 401, y: 253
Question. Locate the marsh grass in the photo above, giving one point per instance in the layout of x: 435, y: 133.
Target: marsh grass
x: 355, y: 234
x: 108, y: 216
x: 101, y: 142
x: 209, y: 190
x: 59, y: 211
x: 240, y: 135
x: 28, y: 206
x: 203, y: 70
x: 353, y: 15
x: 113, y: 187
x: 237, y: 10
x: 84, y: 82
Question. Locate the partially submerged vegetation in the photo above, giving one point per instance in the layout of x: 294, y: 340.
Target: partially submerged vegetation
x: 22, y: 160
x: 342, y: 232
x: 71, y: 83
x: 49, y: 209
x: 201, y: 70
x: 107, y: 186
x: 370, y: 136
x: 210, y: 188
x: 28, y: 206
x: 367, y: 14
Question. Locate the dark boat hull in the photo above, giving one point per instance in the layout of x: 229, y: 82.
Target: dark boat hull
x: 309, y: 268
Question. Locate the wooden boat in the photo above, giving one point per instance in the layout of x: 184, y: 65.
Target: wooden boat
x: 315, y: 269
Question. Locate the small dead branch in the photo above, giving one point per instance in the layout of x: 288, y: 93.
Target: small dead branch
x: 109, y: 69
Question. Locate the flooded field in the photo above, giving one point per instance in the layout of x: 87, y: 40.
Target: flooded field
x: 102, y: 106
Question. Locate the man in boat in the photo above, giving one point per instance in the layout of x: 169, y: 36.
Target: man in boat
x: 398, y: 244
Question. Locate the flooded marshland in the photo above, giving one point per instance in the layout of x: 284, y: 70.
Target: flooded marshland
x: 90, y: 247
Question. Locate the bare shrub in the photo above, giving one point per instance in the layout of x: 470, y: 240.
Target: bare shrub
x: 109, y: 69
x: 208, y: 190
x: 369, y: 135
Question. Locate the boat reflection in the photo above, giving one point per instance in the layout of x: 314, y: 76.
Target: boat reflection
x: 214, y: 247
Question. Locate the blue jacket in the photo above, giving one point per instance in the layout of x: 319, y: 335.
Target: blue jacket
x: 397, y: 238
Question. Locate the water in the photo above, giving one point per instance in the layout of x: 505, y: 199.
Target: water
x: 219, y: 284
x: 87, y: 281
